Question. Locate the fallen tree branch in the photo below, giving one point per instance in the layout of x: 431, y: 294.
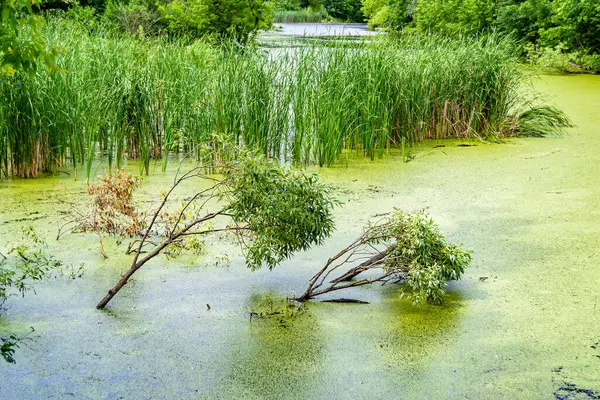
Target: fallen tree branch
x: 404, y: 248
x: 254, y: 197
x: 138, y: 264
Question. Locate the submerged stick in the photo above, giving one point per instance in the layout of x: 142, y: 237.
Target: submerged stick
x: 344, y: 300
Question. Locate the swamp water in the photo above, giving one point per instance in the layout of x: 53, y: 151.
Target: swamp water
x: 523, y: 323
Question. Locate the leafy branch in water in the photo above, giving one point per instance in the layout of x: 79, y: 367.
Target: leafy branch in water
x: 10, y: 344
x: 273, y: 212
x: 405, y: 247
x: 24, y: 264
x: 27, y: 262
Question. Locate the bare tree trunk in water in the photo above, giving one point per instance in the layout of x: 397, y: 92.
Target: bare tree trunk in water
x: 173, y: 236
x: 156, y: 251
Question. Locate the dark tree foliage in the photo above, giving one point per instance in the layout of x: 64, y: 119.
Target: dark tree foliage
x: 525, y: 20
x: 345, y: 10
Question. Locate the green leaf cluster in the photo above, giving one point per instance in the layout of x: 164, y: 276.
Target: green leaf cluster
x: 284, y: 210
x: 420, y: 254
x: 10, y: 344
x: 22, y: 46
x: 25, y: 263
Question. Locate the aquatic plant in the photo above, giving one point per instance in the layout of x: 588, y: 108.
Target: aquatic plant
x: 25, y: 263
x: 10, y: 344
x: 300, y: 16
x: 273, y: 211
x: 135, y: 98
x: 407, y: 248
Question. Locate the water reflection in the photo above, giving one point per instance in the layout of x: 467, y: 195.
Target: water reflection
x: 324, y: 30
x: 336, y: 349
x: 281, y: 353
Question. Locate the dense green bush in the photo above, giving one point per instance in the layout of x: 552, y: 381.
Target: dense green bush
x: 566, y: 33
x: 452, y: 17
x: 575, y: 25
x: 135, y: 18
x: 237, y: 19
x: 287, y: 5
x: 376, y: 11
x: 345, y: 10
x: 525, y: 20
x: 231, y: 19
x: 22, y: 46
x: 310, y: 10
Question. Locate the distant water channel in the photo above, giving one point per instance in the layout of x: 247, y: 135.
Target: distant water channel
x: 293, y: 32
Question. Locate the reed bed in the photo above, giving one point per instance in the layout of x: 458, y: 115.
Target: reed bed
x: 300, y: 16
x: 128, y: 98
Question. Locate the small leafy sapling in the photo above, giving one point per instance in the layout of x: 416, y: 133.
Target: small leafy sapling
x: 404, y: 247
x: 273, y: 212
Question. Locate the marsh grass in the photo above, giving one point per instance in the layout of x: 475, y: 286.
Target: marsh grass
x: 124, y: 98
x: 300, y: 16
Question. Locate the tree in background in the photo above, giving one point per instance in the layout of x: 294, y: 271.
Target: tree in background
x: 452, y: 17
x: 22, y: 46
x: 524, y: 20
x: 236, y: 19
x: 392, y: 14
x: 561, y: 34
x: 345, y: 10
x: 576, y: 25
x: 225, y: 19
x: 377, y: 12
x: 342, y: 10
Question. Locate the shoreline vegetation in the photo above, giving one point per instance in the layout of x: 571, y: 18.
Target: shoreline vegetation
x: 301, y: 16
x: 145, y: 98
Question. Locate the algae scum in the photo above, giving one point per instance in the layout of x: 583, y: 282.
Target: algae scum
x: 523, y: 323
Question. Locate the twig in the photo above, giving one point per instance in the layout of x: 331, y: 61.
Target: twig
x: 344, y: 300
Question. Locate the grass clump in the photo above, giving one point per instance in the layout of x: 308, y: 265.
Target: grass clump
x: 122, y: 97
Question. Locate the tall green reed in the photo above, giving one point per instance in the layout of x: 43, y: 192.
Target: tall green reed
x: 124, y: 98
x: 300, y: 16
